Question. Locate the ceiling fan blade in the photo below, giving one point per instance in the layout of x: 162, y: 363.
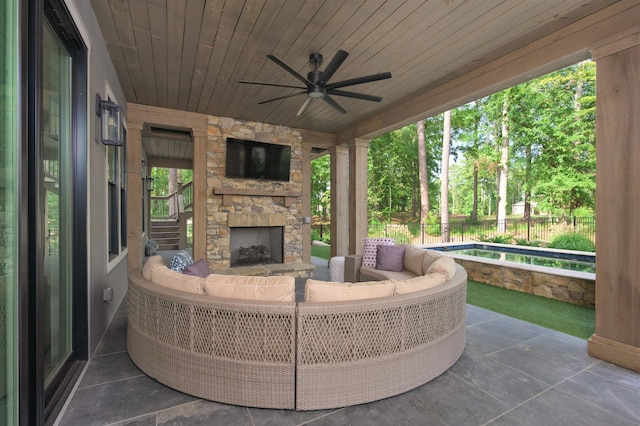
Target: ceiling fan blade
x: 281, y: 97
x: 328, y: 99
x: 359, y: 80
x: 290, y: 70
x: 270, y: 84
x: 333, y: 66
x: 354, y: 95
x: 304, y: 106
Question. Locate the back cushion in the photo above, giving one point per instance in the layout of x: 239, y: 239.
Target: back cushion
x: 413, y: 259
x: 275, y: 289
x: 444, y: 265
x: 165, y: 277
x: 421, y: 282
x: 430, y: 256
x: 327, y: 291
x: 370, y: 249
x: 150, y: 264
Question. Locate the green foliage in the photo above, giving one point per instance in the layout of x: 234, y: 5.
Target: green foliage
x: 561, y: 316
x: 498, y: 239
x: 321, y: 187
x: 323, y: 252
x: 325, y: 238
x: 572, y: 241
x: 532, y: 243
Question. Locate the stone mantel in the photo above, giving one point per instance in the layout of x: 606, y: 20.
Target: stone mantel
x: 228, y: 193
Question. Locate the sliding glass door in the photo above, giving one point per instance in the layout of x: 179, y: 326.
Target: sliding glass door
x: 55, y: 188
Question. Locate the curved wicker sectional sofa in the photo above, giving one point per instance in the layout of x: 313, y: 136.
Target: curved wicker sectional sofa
x: 288, y: 355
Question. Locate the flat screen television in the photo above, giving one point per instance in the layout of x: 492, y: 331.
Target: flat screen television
x: 257, y: 160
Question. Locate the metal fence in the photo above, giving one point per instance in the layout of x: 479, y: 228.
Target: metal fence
x: 532, y: 229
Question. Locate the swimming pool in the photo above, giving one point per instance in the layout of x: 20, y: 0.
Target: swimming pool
x: 557, y: 274
x: 552, y: 259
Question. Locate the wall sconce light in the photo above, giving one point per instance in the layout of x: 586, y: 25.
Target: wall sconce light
x: 110, y: 115
x: 150, y: 186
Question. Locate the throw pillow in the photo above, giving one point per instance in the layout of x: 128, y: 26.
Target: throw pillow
x: 199, y: 269
x: 444, y: 265
x: 326, y: 291
x: 181, y: 260
x: 390, y: 258
x: 370, y: 249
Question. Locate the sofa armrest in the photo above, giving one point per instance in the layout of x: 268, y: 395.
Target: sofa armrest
x: 352, y: 265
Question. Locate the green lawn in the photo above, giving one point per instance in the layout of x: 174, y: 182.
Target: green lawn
x: 565, y: 317
x: 561, y: 316
x: 323, y: 252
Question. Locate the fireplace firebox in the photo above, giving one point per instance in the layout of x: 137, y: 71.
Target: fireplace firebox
x: 256, y: 245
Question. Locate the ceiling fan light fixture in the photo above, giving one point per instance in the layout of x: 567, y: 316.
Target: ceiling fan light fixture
x: 316, y: 92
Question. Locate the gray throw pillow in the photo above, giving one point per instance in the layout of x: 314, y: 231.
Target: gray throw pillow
x: 390, y: 258
x: 199, y: 269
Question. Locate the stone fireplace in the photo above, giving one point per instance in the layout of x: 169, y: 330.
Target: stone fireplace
x: 257, y: 245
x: 242, y: 213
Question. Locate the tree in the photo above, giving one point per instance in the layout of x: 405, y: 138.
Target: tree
x: 444, y: 178
x: 424, y: 175
x: 503, y: 170
x: 321, y: 187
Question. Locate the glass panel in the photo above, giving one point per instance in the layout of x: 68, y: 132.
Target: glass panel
x: 8, y: 211
x: 55, y: 190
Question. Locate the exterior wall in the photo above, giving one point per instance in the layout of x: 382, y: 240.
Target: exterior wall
x: 568, y: 289
x: 249, y: 202
x: 102, y: 79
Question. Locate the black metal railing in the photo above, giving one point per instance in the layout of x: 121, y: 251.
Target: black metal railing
x: 532, y: 229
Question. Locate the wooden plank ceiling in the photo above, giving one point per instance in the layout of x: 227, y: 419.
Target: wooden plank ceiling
x: 190, y: 55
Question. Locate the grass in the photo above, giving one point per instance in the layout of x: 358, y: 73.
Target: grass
x: 561, y: 316
x: 323, y: 252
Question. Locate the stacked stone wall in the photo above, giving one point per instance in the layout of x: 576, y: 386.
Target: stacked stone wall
x: 269, y: 208
x: 568, y: 289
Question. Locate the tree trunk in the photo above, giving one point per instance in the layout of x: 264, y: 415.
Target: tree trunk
x: 503, y: 169
x: 424, y: 175
x: 444, y: 178
x: 527, y: 183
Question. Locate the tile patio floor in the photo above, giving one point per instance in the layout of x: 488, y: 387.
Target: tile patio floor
x: 511, y: 373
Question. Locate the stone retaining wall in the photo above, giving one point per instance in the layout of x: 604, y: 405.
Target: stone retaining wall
x: 568, y: 289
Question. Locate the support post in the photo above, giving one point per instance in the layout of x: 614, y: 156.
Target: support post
x: 339, y: 201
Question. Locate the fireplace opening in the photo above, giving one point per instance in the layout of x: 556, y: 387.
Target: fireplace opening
x: 256, y: 245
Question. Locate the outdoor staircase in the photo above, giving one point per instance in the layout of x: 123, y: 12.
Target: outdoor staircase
x: 166, y: 233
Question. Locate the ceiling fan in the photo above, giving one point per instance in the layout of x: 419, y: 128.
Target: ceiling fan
x: 317, y: 86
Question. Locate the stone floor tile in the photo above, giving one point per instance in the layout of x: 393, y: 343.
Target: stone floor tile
x: 508, y: 385
x: 558, y: 408
x: 115, y: 339
x: 108, y: 368
x: 120, y: 400
x: 605, y: 393
x: 267, y: 417
x: 457, y: 402
x: 397, y: 411
x: 477, y: 315
x: 204, y: 413
x: 549, y: 358
x: 616, y: 373
x: 492, y: 336
x: 146, y: 420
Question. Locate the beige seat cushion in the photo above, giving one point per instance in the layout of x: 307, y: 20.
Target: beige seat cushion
x: 414, y: 259
x: 165, y: 277
x: 150, y: 264
x: 444, y: 265
x: 327, y: 291
x: 277, y: 288
x: 421, y: 282
x: 368, y: 273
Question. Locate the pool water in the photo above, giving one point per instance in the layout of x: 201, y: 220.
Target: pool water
x: 530, y: 259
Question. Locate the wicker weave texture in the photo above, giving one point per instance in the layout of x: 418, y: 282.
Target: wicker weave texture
x: 232, y: 352
x: 351, y: 353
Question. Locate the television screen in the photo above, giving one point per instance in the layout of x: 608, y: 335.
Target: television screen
x: 257, y: 160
